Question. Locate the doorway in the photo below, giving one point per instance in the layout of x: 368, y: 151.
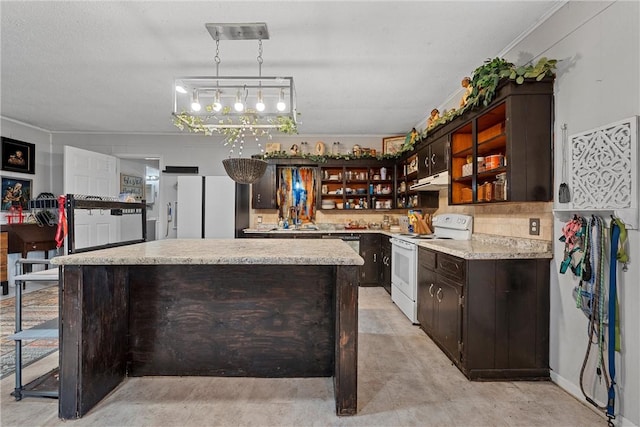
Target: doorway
x: 147, y: 168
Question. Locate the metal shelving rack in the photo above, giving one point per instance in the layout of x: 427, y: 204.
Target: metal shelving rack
x: 45, y: 385
x: 115, y: 207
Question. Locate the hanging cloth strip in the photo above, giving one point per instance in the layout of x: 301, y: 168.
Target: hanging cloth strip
x: 618, y: 236
x: 583, y: 293
x: 596, y: 298
x: 61, y: 233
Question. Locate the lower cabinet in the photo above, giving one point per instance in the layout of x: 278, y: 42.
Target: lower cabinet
x: 370, y: 251
x: 440, y: 301
x: 490, y: 317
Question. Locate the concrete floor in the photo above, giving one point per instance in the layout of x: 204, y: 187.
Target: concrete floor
x: 404, y: 380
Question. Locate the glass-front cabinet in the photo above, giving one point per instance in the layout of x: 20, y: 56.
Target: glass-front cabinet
x: 503, y: 153
x: 480, y: 165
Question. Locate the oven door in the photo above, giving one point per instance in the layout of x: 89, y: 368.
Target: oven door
x: 404, y: 267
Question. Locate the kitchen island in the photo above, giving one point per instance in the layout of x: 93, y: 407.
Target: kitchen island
x: 236, y: 307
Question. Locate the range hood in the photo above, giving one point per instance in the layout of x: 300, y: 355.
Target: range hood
x: 432, y: 183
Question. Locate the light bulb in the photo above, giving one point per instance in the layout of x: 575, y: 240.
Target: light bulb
x: 217, y: 106
x: 195, y: 102
x: 260, y: 104
x: 239, y: 106
x: 180, y: 89
x: 281, y: 106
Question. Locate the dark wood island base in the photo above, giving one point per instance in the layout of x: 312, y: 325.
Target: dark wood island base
x: 206, y: 320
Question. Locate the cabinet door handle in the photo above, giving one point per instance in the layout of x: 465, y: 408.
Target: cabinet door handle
x: 426, y: 162
x: 439, y: 295
x: 433, y: 158
x: 375, y: 257
x: 258, y: 197
x: 431, y: 290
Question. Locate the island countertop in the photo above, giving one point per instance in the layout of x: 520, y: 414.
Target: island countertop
x: 220, y: 251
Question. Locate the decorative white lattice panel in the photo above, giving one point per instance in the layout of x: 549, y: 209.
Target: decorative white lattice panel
x: 603, y: 166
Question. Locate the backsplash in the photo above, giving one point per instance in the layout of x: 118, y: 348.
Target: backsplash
x: 502, y: 219
x: 506, y: 219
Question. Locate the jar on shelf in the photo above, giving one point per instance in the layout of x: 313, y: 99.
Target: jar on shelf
x: 383, y: 173
x: 481, y: 166
x: 500, y: 187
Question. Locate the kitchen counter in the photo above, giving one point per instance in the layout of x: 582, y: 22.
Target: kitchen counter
x: 487, y: 246
x: 272, y: 308
x: 481, y: 246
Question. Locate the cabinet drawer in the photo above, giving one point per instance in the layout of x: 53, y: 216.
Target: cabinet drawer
x: 427, y: 258
x: 451, y: 266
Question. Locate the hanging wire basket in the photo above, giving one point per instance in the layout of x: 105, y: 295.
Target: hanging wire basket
x: 244, y: 170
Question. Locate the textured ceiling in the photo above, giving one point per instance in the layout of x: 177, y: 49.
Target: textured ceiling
x: 360, y: 68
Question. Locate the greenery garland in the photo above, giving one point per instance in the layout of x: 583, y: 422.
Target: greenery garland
x: 197, y: 124
x: 485, y: 81
x: 317, y: 158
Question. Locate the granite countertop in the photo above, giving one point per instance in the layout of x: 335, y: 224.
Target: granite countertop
x: 481, y: 246
x: 221, y: 251
x: 488, y: 246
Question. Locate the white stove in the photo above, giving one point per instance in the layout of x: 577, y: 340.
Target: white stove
x: 404, y: 258
x: 446, y: 226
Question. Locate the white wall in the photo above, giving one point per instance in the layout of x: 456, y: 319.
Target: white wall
x: 597, y: 83
x: 41, y: 139
x: 41, y: 179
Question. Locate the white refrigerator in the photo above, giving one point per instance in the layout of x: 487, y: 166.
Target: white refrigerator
x: 213, y: 207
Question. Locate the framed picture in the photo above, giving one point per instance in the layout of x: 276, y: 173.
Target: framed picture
x: 132, y: 185
x: 18, y: 156
x: 271, y: 147
x: 392, y: 144
x: 15, y: 192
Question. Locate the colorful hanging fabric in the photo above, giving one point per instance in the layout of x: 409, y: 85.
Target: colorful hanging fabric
x: 573, y: 237
x: 61, y: 232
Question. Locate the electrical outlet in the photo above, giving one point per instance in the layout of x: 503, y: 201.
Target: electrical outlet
x: 534, y: 226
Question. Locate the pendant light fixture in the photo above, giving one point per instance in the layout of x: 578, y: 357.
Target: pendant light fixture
x: 237, y: 107
x: 268, y: 103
